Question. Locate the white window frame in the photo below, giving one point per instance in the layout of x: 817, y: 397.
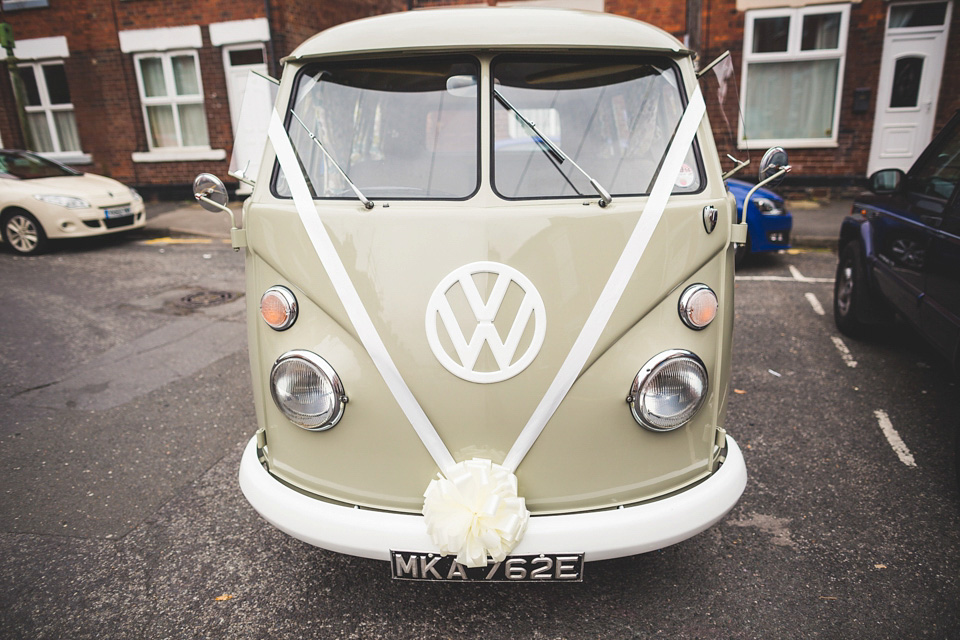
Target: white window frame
x: 794, y: 54
x: 48, y: 109
x: 169, y: 100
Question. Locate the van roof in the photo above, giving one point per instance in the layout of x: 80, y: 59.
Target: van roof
x: 479, y: 28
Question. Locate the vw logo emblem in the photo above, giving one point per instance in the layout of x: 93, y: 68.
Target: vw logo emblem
x: 461, y: 285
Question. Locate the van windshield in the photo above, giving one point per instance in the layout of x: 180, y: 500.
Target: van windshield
x: 392, y: 127
x: 613, y: 115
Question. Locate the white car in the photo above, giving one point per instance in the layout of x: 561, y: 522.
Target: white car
x: 42, y: 200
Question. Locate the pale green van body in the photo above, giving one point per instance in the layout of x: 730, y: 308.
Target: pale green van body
x: 592, y: 454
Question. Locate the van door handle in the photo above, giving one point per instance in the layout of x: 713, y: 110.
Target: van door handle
x: 932, y: 221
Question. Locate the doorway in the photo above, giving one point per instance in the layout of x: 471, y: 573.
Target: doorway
x: 911, y: 68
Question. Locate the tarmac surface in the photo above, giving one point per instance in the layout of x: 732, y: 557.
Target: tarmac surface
x: 816, y: 223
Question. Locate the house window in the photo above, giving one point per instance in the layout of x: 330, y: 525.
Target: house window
x: 49, y: 110
x: 172, y: 99
x: 793, y: 62
x: 13, y: 5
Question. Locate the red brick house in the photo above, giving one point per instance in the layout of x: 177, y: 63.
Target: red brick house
x: 147, y: 91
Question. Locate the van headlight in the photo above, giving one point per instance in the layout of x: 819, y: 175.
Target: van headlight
x: 307, y: 390
x: 669, y: 390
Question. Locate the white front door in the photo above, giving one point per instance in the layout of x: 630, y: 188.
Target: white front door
x: 238, y: 61
x: 910, y: 71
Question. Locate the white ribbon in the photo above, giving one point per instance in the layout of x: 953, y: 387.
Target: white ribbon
x: 350, y: 299
x: 616, y: 284
x: 473, y: 508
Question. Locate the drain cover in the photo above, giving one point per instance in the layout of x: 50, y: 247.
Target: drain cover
x: 201, y: 299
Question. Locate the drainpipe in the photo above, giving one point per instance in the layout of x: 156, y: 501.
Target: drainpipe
x: 19, y: 95
x: 274, y: 68
x: 694, y: 11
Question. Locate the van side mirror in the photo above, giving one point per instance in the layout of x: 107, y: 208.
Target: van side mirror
x: 210, y: 191
x: 773, y: 166
x: 886, y: 181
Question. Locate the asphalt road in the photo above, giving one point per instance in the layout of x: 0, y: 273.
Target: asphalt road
x: 124, y: 410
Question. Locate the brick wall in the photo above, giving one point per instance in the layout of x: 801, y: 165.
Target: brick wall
x: 103, y: 83
x: 842, y: 168
x: 111, y: 123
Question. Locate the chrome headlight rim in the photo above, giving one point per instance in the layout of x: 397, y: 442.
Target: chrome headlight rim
x: 325, y: 369
x: 649, y: 370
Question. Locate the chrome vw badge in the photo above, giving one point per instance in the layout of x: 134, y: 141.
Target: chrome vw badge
x: 510, y: 292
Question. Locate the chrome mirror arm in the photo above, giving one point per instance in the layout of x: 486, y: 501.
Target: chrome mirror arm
x: 784, y: 170
x: 740, y: 165
x: 205, y: 199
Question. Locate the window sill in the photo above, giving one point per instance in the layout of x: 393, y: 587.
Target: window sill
x: 68, y: 157
x: 788, y: 144
x: 179, y: 155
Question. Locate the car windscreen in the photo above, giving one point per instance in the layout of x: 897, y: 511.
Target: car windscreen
x: 26, y: 166
x: 392, y: 127
x: 614, y: 116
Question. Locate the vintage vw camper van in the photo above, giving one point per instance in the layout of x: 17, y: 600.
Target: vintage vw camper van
x: 489, y: 262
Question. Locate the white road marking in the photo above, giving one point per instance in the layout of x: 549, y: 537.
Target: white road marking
x: 796, y: 274
x: 899, y: 447
x: 782, y: 279
x: 844, y: 352
x: 812, y: 299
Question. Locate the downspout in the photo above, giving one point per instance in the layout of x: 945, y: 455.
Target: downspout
x: 274, y: 69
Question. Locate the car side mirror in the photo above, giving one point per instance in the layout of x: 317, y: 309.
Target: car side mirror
x: 886, y: 181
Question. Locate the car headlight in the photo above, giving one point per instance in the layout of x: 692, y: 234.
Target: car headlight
x: 135, y: 195
x: 767, y: 207
x: 698, y: 306
x: 307, y: 390
x: 64, y: 201
x: 669, y: 390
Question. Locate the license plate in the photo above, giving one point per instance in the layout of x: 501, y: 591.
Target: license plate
x: 119, y: 212
x: 544, y: 567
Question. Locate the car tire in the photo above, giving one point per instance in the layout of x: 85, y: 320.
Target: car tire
x: 22, y: 232
x: 851, y: 294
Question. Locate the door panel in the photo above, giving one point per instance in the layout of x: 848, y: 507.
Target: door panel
x: 910, y: 76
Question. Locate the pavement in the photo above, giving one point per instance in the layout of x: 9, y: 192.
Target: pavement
x: 816, y: 223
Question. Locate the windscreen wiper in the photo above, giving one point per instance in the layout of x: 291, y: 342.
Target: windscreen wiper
x: 366, y: 201
x: 556, y: 152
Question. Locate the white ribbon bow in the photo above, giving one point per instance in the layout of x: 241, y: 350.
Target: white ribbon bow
x: 474, y: 512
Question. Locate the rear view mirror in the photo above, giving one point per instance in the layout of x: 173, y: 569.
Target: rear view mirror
x: 464, y: 86
x: 886, y: 181
x: 772, y: 163
x: 209, y: 190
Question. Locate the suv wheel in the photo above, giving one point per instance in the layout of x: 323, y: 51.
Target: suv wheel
x: 850, y: 292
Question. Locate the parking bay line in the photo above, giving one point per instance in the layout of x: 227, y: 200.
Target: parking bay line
x: 896, y: 442
x: 844, y: 352
x: 781, y: 279
x: 817, y: 307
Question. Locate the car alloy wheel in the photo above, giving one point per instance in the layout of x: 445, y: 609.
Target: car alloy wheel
x: 23, y: 233
x: 845, y: 289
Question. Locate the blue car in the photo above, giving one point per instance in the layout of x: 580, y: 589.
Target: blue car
x: 768, y: 221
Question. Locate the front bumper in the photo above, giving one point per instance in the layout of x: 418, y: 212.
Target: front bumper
x: 600, y: 535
